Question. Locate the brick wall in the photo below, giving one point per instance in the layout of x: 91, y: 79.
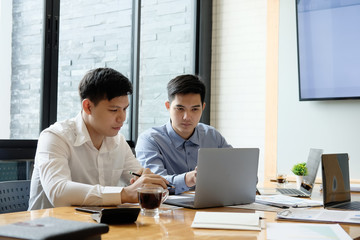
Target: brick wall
x: 26, y: 69
x: 238, y: 73
x: 98, y: 34
x: 166, y: 51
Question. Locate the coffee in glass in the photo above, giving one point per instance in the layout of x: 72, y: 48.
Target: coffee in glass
x: 150, y: 199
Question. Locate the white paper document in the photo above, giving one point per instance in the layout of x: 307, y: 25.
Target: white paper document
x: 180, y: 197
x: 355, y: 187
x: 320, y: 215
x: 257, y: 206
x: 286, y: 201
x: 297, y: 231
x: 227, y: 220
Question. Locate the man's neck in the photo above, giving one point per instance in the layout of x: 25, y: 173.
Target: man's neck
x: 187, y: 137
x: 97, y: 144
x: 96, y: 139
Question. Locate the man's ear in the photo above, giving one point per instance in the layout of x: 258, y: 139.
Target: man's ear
x: 167, y: 105
x: 203, y: 106
x: 87, y: 105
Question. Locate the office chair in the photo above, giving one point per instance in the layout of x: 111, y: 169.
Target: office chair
x: 132, y: 145
x: 14, y: 196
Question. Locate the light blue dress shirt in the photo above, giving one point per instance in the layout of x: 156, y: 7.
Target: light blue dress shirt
x: 164, y: 152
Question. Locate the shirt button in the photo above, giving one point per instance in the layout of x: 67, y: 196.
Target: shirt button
x: 188, y: 153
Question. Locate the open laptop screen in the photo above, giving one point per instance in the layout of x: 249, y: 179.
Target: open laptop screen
x: 225, y: 176
x: 312, y: 165
x: 336, y: 179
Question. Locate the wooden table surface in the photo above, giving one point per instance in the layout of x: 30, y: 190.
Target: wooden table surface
x: 173, y: 224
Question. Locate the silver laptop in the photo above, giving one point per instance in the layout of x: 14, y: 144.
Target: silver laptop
x: 225, y: 176
x: 307, y: 185
x: 336, y: 182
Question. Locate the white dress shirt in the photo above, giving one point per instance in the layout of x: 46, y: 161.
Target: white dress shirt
x: 69, y: 170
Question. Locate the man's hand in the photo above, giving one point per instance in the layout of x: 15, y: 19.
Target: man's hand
x: 147, y: 179
x: 190, y: 178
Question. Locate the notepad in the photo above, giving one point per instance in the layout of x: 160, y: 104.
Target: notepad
x: 227, y: 220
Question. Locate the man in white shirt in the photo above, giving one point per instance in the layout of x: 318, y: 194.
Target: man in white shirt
x: 85, y: 160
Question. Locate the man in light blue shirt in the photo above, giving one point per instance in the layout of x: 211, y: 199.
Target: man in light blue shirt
x: 171, y: 150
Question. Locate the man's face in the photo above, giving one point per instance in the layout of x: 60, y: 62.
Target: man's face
x: 107, y: 117
x: 185, y: 113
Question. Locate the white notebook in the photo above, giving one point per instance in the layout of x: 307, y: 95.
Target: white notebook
x: 227, y: 220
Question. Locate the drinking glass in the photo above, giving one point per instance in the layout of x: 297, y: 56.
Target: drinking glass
x: 150, y: 199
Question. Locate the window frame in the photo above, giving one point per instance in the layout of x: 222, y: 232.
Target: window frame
x: 16, y: 149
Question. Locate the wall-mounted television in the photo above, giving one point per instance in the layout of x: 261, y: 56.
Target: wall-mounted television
x: 328, y: 34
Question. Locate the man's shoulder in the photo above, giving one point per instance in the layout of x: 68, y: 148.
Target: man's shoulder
x: 209, y: 136
x: 154, y: 131
x: 64, y: 129
x: 153, y: 137
x: 206, y: 128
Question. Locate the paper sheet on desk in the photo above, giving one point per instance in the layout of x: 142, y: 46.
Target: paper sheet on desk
x: 320, y: 215
x: 286, y: 201
x: 227, y: 220
x: 179, y: 197
x: 294, y: 231
x: 258, y: 207
x: 355, y: 187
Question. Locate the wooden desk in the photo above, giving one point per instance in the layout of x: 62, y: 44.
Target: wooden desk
x: 173, y: 225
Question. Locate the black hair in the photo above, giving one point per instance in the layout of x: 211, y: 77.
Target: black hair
x: 104, y: 83
x: 185, y: 84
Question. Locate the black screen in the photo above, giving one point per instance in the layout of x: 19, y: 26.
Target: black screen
x: 336, y: 178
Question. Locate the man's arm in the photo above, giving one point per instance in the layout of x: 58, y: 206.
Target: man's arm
x: 222, y: 143
x: 55, y: 177
x: 52, y: 160
x: 147, y: 179
x: 149, y: 156
x: 190, y: 178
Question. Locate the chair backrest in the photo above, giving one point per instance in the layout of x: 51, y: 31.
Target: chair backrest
x: 132, y: 145
x: 14, y: 196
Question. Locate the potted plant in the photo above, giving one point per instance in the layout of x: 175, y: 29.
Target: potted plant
x: 300, y: 170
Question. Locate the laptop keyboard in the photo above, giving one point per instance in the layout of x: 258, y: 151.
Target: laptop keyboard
x: 190, y: 202
x: 350, y: 206
x: 291, y: 191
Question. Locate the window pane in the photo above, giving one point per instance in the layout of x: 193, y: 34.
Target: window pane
x: 92, y: 34
x: 166, y: 50
x: 20, y: 67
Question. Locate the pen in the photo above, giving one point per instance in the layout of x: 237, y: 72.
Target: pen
x: 138, y: 175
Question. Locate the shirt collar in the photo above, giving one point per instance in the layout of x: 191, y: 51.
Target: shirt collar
x: 83, y: 136
x: 179, y: 141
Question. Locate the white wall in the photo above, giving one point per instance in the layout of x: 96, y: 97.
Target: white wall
x: 331, y: 125
x: 5, y: 67
x: 238, y: 73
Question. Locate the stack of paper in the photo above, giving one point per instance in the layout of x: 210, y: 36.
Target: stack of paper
x: 257, y: 206
x: 284, y: 201
x: 355, y: 187
x: 227, y: 220
x: 300, y: 231
x: 321, y: 215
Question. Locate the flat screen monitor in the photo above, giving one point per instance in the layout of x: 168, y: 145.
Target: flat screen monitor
x: 328, y: 34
